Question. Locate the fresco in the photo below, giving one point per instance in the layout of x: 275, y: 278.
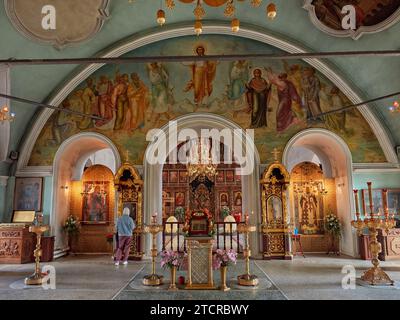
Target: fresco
x: 273, y: 97
x: 369, y: 12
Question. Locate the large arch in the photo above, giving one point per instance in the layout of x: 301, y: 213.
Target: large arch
x: 68, y: 165
x: 334, y: 155
x: 196, y: 122
x: 179, y: 30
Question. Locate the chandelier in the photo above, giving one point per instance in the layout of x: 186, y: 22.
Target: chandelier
x: 6, y: 115
x: 395, y: 107
x: 200, y: 162
x: 200, y: 12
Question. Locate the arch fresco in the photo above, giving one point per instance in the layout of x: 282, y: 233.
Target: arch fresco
x: 137, y: 97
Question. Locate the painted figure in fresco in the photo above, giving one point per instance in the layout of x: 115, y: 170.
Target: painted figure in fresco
x: 203, y: 75
x: 61, y: 125
x: 105, y: 107
x: 138, y: 103
x: 258, y: 95
x: 311, y: 90
x: 161, y: 96
x: 286, y: 94
x: 336, y: 121
x: 238, y: 79
x: 120, y: 100
x: 89, y: 100
x: 294, y: 75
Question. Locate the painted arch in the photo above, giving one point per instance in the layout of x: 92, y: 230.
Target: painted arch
x: 359, y: 129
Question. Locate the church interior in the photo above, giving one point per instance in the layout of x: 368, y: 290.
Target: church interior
x: 254, y: 144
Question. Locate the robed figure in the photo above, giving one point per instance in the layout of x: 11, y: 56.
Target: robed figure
x: 203, y: 75
x: 258, y: 94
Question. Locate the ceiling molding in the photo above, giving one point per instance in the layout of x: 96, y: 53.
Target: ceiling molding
x: 26, y: 18
x: 354, y: 34
x: 180, y: 30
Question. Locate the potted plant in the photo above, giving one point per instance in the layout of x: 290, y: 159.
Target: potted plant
x: 225, y: 211
x: 172, y: 260
x: 71, y: 227
x: 180, y: 213
x: 223, y: 259
x: 333, y: 228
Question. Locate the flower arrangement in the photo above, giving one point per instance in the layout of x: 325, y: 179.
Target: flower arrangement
x: 224, y: 258
x: 71, y: 225
x: 170, y: 258
x: 180, y: 213
x: 225, y: 211
x: 332, y: 225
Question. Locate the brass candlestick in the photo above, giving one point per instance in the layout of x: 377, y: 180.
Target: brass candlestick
x: 247, y: 279
x: 37, y: 277
x: 153, y: 279
x: 375, y: 275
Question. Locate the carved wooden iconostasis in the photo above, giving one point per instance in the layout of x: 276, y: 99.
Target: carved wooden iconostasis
x: 312, y: 197
x: 224, y: 191
x: 92, y: 201
x: 129, y: 186
x: 275, y: 216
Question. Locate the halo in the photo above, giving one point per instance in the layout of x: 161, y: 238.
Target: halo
x: 200, y: 44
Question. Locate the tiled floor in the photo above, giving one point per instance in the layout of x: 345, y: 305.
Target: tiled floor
x: 95, y: 277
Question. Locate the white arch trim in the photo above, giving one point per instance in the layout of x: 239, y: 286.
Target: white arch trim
x: 198, y: 121
x: 67, y: 162
x: 343, y: 174
x: 179, y: 30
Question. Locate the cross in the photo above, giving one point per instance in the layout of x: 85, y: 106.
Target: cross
x: 276, y: 154
x: 127, y: 156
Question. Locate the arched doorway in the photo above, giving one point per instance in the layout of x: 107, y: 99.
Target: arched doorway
x: 69, y: 164
x: 326, y: 149
x: 153, y: 172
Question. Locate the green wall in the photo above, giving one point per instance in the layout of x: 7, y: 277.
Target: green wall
x: 389, y: 180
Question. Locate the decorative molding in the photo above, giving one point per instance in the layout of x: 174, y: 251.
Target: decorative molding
x: 355, y: 34
x: 3, y: 181
x: 175, y: 31
x: 5, y: 87
x: 26, y: 17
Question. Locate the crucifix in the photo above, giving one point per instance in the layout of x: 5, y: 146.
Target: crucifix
x: 276, y: 154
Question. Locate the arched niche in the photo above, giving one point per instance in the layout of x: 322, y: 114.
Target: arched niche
x: 68, y: 166
x: 334, y: 155
x: 196, y: 122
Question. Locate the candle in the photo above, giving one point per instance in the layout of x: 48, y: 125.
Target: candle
x: 385, y: 203
x: 371, y: 205
x: 246, y: 218
x: 356, y: 200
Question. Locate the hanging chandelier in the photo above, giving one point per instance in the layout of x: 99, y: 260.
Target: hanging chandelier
x: 6, y: 115
x: 200, y: 162
x: 200, y: 12
x: 395, y: 107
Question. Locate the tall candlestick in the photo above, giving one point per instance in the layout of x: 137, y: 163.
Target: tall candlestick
x: 357, y: 204
x: 385, y: 203
x: 371, y: 203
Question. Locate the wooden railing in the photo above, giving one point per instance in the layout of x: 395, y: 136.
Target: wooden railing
x: 226, y: 233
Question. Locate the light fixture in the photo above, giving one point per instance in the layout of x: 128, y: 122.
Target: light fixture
x: 6, y: 115
x: 161, y: 17
x: 271, y: 11
x: 199, y: 11
x: 395, y: 107
x: 235, y: 25
x: 200, y: 162
x: 198, y: 27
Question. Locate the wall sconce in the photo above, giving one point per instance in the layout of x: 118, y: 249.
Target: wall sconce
x: 64, y: 187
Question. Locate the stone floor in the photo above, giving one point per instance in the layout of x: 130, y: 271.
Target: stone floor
x: 95, y: 277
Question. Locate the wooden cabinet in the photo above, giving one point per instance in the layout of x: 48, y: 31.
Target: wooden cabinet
x: 47, y: 249
x: 390, y: 242
x: 16, y: 244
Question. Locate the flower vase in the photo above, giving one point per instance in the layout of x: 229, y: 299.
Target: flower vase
x: 223, y: 286
x: 172, y: 286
